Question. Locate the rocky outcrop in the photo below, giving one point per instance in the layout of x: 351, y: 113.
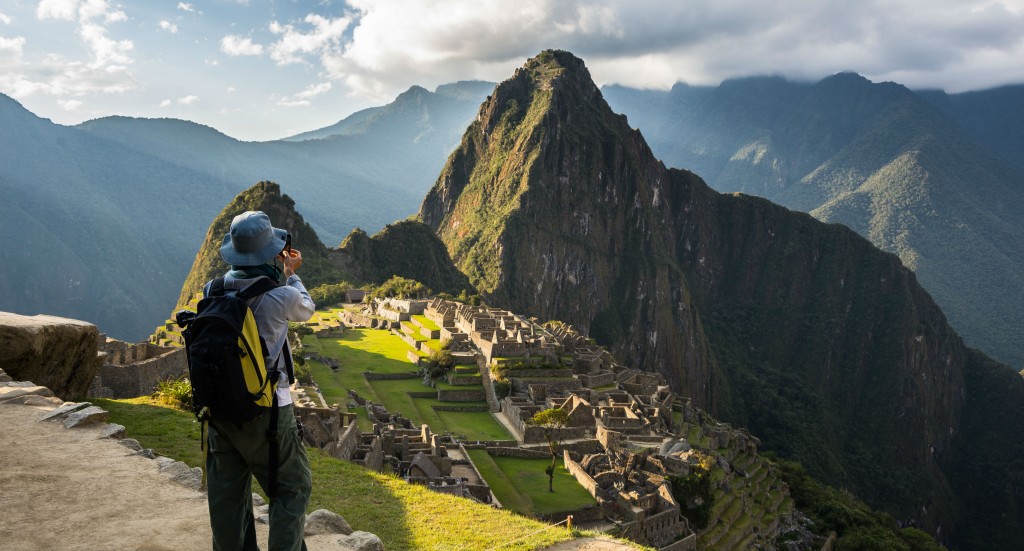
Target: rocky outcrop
x: 822, y: 345
x: 58, y: 353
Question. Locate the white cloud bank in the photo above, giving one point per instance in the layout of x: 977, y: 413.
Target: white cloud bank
x: 103, y: 70
x: 236, y: 46
x: 382, y: 46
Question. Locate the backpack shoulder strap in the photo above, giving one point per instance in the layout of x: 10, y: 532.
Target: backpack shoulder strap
x: 217, y: 287
x: 257, y: 288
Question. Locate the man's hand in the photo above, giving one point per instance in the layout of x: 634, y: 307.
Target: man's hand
x: 291, y: 262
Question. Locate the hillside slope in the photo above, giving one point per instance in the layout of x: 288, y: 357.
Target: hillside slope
x: 879, y: 159
x: 806, y: 333
x: 106, y: 215
x: 97, y: 231
x: 408, y: 249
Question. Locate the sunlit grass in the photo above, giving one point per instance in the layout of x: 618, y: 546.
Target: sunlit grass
x: 404, y: 516
x: 522, y: 485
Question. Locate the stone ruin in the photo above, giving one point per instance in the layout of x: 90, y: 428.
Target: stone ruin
x: 621, y: 442
x: 131, y: 370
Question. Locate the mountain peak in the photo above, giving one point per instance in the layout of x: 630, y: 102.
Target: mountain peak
x: 266, y: 197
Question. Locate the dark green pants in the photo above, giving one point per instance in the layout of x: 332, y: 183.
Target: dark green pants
x: 236, y: 454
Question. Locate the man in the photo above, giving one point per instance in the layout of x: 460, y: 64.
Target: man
x: 239, y: 451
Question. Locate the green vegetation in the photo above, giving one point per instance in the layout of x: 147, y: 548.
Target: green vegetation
x: 552, y: 420
x: 376, y: 351
x: 856, y: 524
x: 404, y: 516
x: 168, y: 430
x: 330, y: 294
x: 267, y: 197
x: 693, y: 492
x: 520, y: 485
x: 401, y: 287
x: 176, y: 393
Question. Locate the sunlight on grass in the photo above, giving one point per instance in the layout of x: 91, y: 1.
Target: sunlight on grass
x: 522, y: 484
x: 404, y: 516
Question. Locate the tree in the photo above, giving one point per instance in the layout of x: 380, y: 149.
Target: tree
x: 553, y: 421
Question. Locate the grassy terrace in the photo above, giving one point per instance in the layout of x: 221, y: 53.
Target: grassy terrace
x: 422, y: 320
x: 522, y: 486
x: 376, y: 351
x: 404, y: 516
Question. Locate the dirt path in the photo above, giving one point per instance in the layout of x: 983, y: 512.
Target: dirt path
x: 70, y: 490
x: 67, y: 489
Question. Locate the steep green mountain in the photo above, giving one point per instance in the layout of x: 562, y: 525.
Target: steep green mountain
x: 821, y: 344
x: 96, y: 231
x: 879, y: 159
x: 408, y: 249
x: 994, y: 117
x: 106, y: 215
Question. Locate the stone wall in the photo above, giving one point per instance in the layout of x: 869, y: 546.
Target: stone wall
x: 141, y: 378
x: 599, y: 379
x: 523, y: 385
x: 59, y: 353
x: 521, y: 453
x: 582, y: 476
x: 461, y: 395
x: 371, y: 376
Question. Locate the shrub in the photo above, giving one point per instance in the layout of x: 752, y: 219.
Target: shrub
x: 401, y: 287
x: 303, y: 372
x: 440, y: 362
x: 330, y: 294
x: 176, y: 393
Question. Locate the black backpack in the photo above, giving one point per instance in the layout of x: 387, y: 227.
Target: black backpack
x: 228, y: 363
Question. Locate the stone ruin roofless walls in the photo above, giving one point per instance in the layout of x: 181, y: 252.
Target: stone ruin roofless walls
x: 614, y: 413
x: 495, y: 333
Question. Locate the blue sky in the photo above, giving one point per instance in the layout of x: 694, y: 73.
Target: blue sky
x: 259, y: 70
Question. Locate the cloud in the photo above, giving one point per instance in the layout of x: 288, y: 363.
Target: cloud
x: 302, y: 99
x: 654, y: 43
x: 104, y: 69
x: 185, y: 6
x: 69, y: 104
x: 5, y: 19
x: 12, y: 45
x: 324, y: 37
x: 66, y: 10
x: 165, y: 103
x: 188, y: 100
x: 237, y: 46
x: 168, y: 26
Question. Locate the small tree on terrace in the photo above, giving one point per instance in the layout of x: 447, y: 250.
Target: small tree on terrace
x: 553, y: 421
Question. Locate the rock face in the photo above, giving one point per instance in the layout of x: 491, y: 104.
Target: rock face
x: 58, y: 353
x: 821, y: 344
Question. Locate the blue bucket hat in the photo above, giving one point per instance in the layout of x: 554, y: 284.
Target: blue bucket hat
x: 252, y: 241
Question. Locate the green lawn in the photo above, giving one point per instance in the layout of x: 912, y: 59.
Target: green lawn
x: 426, y: 323
x: 522, y: 486
x: 379, y: 351
x: 405, y: 516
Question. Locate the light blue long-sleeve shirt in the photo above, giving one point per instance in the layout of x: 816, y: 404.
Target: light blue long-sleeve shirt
x: 273, y: 310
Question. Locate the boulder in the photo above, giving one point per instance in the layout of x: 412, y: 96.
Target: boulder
x: 323, y: 521
x: 64, y: 410
x: 10, y: 391
x: 361, y: 541
x: 58, y: 353
x: 87, y: 416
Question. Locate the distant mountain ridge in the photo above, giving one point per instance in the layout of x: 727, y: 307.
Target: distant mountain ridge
x: 878, y: 158
x: 106, y: 215
x: 821, y: 344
